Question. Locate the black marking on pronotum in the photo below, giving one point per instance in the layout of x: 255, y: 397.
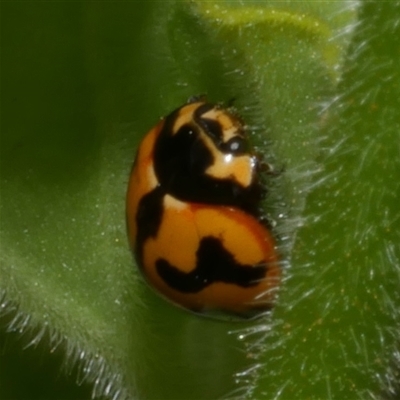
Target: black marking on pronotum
x: 213, y: 129
x: 214, y: 264
x: 180, y: 162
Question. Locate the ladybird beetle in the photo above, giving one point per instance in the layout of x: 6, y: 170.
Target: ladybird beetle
x: 193, y: 214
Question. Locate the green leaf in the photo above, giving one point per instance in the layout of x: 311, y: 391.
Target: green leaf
x: 83, y: 82
x: 336, y: 330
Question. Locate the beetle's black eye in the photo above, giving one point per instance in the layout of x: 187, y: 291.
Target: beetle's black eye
x: 237, y: 146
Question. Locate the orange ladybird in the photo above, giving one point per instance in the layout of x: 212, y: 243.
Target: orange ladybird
x: 193, y: 214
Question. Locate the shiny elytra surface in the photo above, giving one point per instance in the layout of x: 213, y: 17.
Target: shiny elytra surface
x: 184, y: 225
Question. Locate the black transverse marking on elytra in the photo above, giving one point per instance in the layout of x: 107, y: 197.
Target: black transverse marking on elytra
x: 214, y: 264
x: 148, y: 219
x: 180, y: 162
